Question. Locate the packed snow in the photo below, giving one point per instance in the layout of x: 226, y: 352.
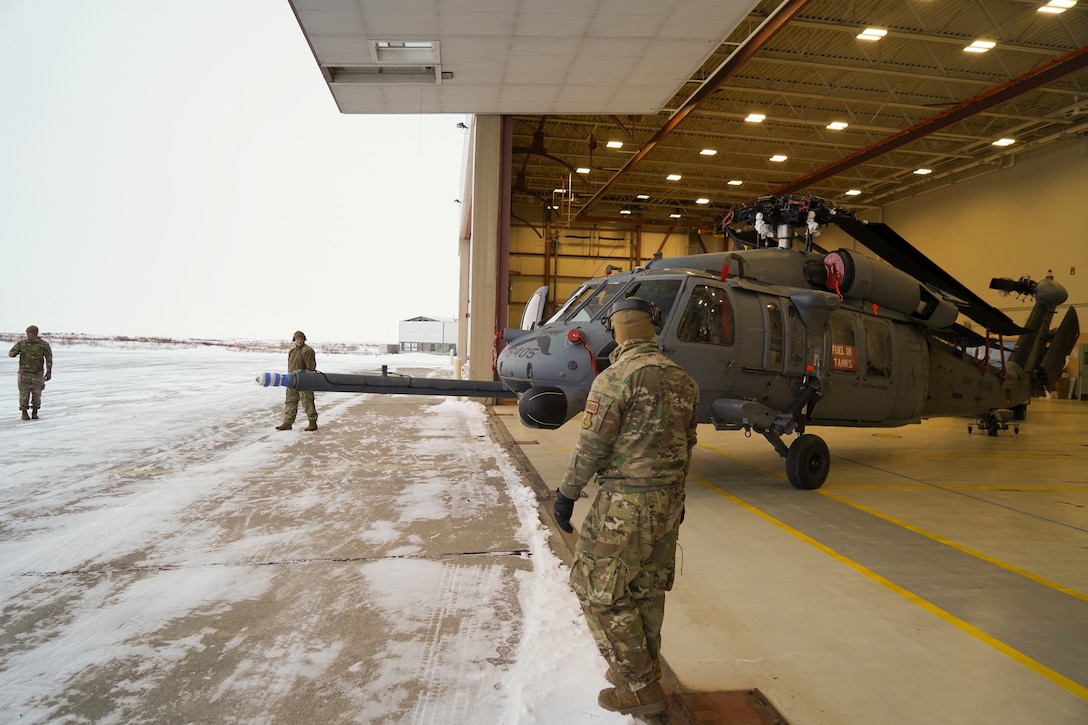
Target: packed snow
x: 117, y: 573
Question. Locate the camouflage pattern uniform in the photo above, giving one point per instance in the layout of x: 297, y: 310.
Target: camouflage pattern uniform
x: 35, y: 367
x: 300, y: 357
x: 638, y: 430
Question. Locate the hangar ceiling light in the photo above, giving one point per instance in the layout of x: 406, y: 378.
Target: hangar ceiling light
x: 872, y: 34
x: 1057, y: 6
x: 980, y: 46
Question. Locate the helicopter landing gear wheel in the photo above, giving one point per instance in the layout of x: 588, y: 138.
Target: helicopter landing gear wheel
x: 808, y: 462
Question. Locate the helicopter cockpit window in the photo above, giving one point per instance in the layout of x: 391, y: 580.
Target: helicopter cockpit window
x: 706, y: 317
x: 588, y: 302
x: 573, y: 302
x: 661, y: 292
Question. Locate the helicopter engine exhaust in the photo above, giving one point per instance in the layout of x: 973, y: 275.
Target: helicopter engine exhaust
x: 858, y: 276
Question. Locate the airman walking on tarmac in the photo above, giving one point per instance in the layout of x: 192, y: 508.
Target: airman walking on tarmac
x: 35, y: 367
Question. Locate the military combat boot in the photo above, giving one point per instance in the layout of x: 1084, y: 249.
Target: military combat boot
x: 34, y: 414
x: 648, y: 700
x: 285, y: 426
x: 312, y: 425
x: 25, y: 416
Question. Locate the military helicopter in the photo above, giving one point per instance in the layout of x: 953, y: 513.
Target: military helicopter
x: 782, y: 335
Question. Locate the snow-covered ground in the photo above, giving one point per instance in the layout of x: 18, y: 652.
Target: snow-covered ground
x: 112, y: 510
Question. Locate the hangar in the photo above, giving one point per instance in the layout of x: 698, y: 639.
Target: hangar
x: 602, y: 132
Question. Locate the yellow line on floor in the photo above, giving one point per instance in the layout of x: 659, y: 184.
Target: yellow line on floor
x: 776, y: 472
x: 993, y: 487
x: 1057, y: 678
x: 971, y: 552
x: 929, y: 535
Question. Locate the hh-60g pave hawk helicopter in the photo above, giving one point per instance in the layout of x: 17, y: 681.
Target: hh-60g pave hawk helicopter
x: 781, y: 339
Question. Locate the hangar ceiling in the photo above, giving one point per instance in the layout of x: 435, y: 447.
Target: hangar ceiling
x: 677, y: 84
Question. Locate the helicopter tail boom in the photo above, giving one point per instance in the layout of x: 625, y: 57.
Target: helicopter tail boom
x: 1036, y: 351
x: 1060, y: 346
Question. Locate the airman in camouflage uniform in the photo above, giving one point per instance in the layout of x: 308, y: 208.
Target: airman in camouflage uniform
x: 300, y: 357
x: 35, y: 367
x: 638, y: 430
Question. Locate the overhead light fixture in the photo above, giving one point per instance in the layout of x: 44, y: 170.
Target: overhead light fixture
x: 980, y: 46
x: 643, y: 197
x: 837, y: 125
x: 755, y: 118
x: 923, y: 172
x: 675, y: 215
x: 404, y: 52
x: 582, y: 170
x: 559, y: 191
x: 779, y: 158
x: 673, y: 177
x: 1057, y: 6
x: 852, y: 192
x: 872, y: 34
x: 1004, y: 142
x: 625, y: 211
x: 614, y: 144
x: 702, y: 200
x: 734, y: 182
x: 708, y: 152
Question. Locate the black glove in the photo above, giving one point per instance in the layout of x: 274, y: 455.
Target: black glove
x: 564, y: 509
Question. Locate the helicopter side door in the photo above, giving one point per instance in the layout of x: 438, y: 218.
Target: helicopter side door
x: 876, y: 371
x: 700, y: 337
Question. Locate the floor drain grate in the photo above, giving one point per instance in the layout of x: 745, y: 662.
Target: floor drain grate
x: 736, y: 707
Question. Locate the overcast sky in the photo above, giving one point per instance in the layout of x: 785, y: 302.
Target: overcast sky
x: 180, y: 169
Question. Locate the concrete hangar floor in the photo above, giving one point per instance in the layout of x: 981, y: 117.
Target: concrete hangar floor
x: 938, y: 576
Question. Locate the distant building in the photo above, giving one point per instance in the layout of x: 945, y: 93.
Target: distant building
x: 426, y: 334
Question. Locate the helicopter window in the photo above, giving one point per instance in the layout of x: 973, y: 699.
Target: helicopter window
x: 662, y: 292
x: 597, y: 302
x: 844, y: 351
x: 575, y: 299
x: 587, y: 302
x: 774, y: 334
x: 706, y: 317
x: 878, y: 345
